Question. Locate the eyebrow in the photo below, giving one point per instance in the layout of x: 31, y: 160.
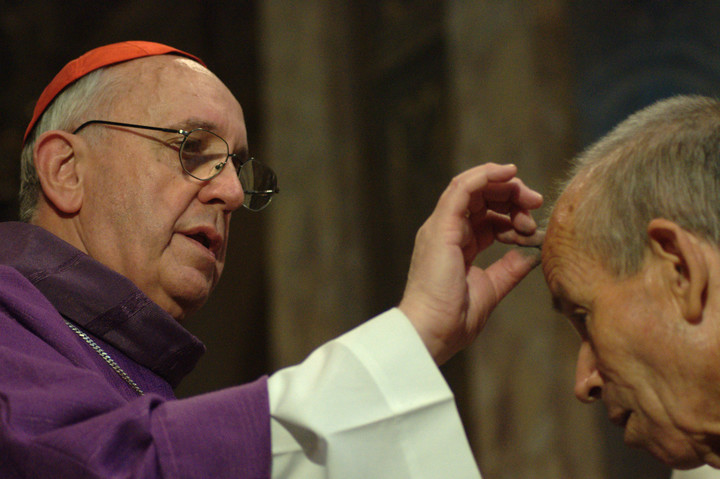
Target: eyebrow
x: 558, y: 301
x: 194, y: 123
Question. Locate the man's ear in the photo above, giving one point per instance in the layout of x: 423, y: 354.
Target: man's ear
x: 687, y: 268
x: 57, y: 169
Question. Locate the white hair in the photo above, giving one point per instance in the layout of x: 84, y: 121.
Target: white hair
x: 91, y: 93
x: 661, y: 162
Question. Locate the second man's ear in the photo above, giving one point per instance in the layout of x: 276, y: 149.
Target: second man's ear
x: 56, y: 166
x: 687, y: 268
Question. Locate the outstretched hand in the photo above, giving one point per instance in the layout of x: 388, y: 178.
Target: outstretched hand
x: 447, y: 299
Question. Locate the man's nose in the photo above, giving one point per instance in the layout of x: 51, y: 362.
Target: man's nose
x: 588, y: 382
x: 225, y: 189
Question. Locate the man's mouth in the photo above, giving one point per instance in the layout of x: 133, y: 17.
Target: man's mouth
x: 621, y: 419
x: 201, y: 238
x: 625, y: 418
x: 207, y: 237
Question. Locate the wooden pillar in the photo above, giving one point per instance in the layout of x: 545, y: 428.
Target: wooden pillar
x: 316, y: 259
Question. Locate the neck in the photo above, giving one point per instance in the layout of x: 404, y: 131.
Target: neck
x: 61, y: 225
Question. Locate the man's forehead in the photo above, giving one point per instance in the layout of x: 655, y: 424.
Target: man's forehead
x: 151, y: 71
x: 561, y: 230
x: 164, y: 83
x: 567, y: 272
x: 574, y: 275
x: 562, y: 250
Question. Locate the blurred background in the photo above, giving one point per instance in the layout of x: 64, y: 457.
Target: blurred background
x: 366, y: 109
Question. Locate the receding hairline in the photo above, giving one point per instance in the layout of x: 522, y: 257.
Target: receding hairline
x: 147, y: 74
x: 155, y: 66
x: 636, y: 161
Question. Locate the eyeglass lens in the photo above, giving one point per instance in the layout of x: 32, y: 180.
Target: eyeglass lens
x: 203, y: 155
x: 259, y: 184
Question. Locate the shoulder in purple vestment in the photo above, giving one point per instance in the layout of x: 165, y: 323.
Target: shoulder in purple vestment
x: 65, y: 413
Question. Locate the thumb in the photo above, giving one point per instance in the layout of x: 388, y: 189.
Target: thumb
x: 508, y: 271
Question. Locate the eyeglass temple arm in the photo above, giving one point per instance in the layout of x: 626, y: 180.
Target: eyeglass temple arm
x: 129, y: 125
x: 262, y: 192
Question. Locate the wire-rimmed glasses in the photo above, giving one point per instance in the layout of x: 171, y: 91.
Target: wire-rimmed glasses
x: 203, y: 155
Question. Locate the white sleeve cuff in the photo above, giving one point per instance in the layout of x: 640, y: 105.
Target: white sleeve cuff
x: 371, y: 403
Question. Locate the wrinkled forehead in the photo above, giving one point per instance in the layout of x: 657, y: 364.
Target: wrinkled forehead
x: 570, y: 206
x: 562, y: 245
x: 165, y: 88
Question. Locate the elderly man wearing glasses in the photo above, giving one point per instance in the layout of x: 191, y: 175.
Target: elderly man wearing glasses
x: 126, y: 199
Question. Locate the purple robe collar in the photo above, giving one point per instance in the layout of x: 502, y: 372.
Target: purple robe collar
x: 101, y: 301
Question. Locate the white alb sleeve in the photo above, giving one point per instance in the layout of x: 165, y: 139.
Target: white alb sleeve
x: 369, y: 404
x: 704, y: 472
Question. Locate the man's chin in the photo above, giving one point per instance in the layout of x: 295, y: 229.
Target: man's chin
x: 185, y: 299
x: 677, y: 456
x: 184, y: 307
x: 668, y: 446
x: 191, y: 290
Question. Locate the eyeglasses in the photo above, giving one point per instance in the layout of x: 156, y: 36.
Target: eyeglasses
x: 203, y: 155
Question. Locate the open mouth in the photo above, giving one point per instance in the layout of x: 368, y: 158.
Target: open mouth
x: 201, y: 238
x: 206, y: 236
x: 621, y: 419
x: 624, y: 419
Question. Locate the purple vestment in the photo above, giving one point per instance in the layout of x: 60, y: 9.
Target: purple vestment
x: 65, y: 413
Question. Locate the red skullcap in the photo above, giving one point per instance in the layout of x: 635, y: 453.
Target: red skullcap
x: 93, y: 60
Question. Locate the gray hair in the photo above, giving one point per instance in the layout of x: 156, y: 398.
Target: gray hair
x: 90, y: 93
x: 661, y: 162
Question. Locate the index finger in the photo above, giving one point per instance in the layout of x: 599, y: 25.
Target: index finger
x: 457, y: 197
x: 505, y: 197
